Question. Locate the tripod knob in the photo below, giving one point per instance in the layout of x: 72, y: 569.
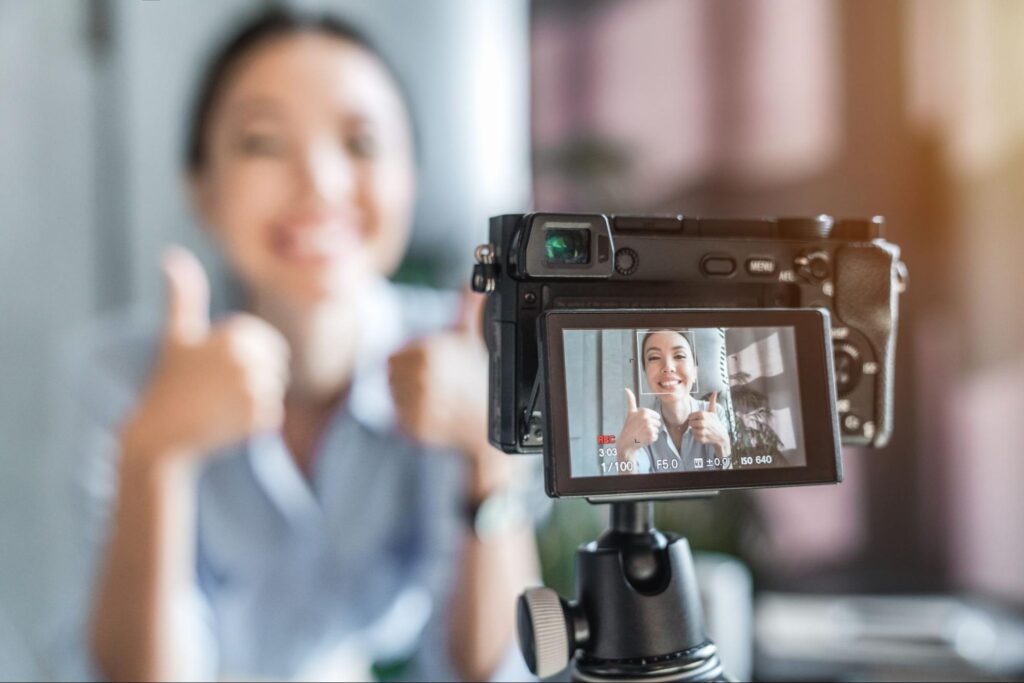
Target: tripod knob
x: 544, y: 631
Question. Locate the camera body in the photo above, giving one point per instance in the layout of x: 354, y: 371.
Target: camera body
x: 540, y: 263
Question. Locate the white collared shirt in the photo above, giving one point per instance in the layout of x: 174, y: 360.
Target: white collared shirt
x: 295, y: 578
x: 691, y: 456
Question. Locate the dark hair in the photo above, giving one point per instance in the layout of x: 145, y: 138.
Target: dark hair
x: 643, y: 344
x: 276, y: 22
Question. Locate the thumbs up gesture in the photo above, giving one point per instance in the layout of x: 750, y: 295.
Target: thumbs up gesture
x: 439, y: 384
x: 708, y: 428
x: 213, y: 385
x: 640, y: 429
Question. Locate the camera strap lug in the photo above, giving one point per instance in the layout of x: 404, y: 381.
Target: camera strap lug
x: 485, y: 271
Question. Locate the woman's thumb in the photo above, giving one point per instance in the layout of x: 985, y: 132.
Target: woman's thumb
x: 630, y: 401
x: 188, y: 296
x: 471, y: 310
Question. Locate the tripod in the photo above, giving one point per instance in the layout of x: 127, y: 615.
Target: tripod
x: 637, y: 614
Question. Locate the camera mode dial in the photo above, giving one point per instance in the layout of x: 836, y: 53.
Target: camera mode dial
x: 817, y: 228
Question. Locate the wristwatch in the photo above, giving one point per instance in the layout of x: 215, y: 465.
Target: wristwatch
x: 500, y: 512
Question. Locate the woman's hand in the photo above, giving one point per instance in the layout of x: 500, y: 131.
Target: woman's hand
x: 641, y: 428
x: 211, y: 387
x: 708, y: 428
x: 439, y: 384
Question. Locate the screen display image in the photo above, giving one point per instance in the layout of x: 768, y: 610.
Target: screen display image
x: 644, y: 401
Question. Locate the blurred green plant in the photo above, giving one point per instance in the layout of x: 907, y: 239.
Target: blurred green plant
x: 571, y: 523
x: 423, y: 270
x: 723, y: 524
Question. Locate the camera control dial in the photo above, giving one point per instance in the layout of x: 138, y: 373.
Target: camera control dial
x: 815, y: 228
x: 859, y: 229
x: 848, y: 367
x: 813, y: 266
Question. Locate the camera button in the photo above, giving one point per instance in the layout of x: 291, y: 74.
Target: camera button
x: 852, y: 424
x: 719, y: 266
x: 813, y: 267
x: 761, y: 266
x: 847, y: 363
x: 626, y: 261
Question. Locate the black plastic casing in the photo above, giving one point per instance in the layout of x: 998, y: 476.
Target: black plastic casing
x: 677, y: 262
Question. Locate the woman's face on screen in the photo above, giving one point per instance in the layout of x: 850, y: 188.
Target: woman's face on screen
x: 309, y: 178
x: 669, y: 364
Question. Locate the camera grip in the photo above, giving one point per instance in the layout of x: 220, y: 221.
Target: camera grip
x: 867, y: 298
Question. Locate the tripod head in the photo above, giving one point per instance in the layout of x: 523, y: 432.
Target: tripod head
x: 637, y: 613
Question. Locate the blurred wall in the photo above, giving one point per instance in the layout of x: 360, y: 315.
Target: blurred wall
x: 965, y: 71
x: 48, y: 264
x: 913, y: 110
x: 598, y: 366
x: 93, y: 98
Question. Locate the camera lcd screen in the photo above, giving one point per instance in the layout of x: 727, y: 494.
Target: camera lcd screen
x: 662, y: 401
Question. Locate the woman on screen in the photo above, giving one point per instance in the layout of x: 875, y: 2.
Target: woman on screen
x: 682, y: 433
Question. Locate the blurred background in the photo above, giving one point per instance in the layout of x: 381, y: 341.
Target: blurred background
x: 914, y: 110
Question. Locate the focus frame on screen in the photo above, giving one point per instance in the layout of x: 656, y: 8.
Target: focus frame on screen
x: 819, y: 418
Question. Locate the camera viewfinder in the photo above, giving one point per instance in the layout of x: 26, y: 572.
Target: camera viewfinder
x: 567, y: 246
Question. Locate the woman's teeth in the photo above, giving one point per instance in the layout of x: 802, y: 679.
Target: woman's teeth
x: 308, y: 244
x: 312, y: 245
x: 669, y: 384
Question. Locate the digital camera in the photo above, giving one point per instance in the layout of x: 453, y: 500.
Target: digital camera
x: 729, y: 352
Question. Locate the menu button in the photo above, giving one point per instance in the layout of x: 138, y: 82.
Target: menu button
x: 761, y: 266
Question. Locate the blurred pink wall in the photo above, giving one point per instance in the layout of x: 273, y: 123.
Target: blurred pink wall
x: 911, y: 109
x: 986, y: 415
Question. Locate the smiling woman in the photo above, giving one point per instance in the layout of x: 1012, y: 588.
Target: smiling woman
x: 681, y: 428
x: 286, y: 489
x: 313, y: 132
